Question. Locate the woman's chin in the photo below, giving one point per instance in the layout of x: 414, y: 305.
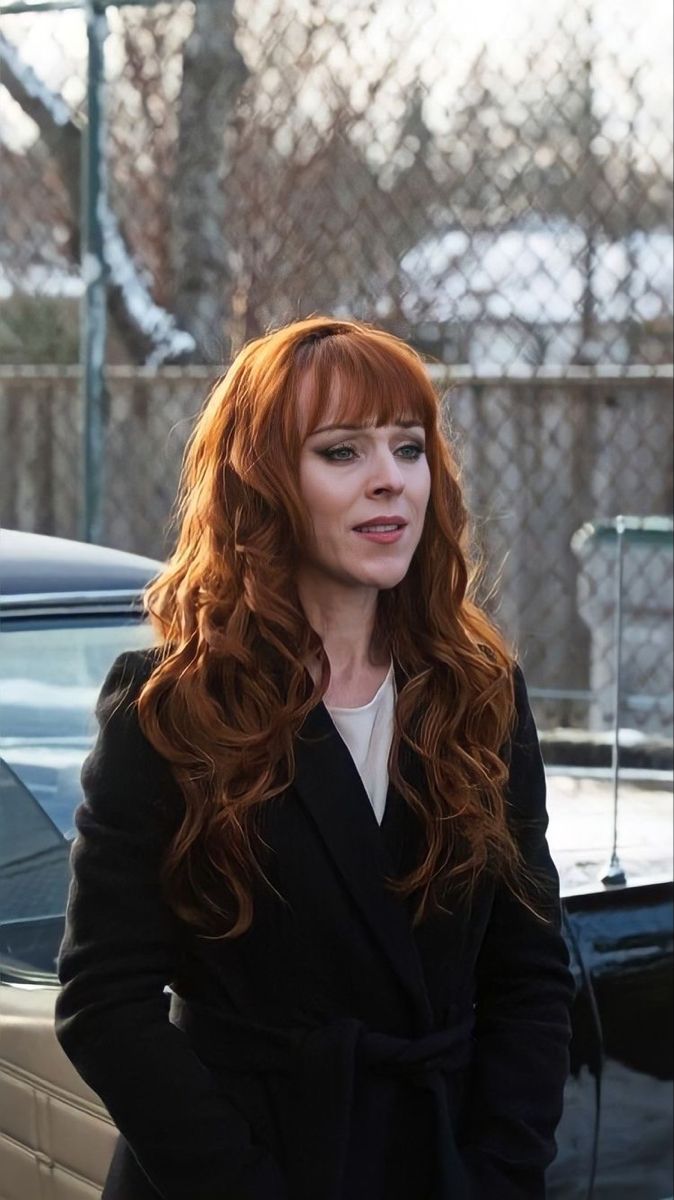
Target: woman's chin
x: 385, y: 580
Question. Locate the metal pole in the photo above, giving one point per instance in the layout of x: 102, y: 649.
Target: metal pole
x: 93, y: 332
x: 614, y: 874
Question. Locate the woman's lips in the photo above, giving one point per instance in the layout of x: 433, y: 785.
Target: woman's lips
x: 381, y: 534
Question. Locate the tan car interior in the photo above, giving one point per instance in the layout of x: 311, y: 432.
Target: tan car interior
x: 56, y: 1138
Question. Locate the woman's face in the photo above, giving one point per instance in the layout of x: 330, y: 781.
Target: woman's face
x: 367, y: 490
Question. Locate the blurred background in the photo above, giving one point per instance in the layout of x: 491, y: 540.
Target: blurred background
x: 491, y: 182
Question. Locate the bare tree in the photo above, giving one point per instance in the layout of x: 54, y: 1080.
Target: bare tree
x: 140, y: 324
x: 213, y: 75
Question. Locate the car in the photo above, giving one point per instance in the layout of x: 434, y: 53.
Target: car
x: 67, y: 609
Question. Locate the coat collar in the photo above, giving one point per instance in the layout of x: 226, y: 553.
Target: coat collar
x: 330, y: 787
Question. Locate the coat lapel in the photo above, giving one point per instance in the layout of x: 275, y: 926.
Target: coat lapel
x: 332, y: 791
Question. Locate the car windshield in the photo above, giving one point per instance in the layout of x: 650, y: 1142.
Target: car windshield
x: 51, y: 671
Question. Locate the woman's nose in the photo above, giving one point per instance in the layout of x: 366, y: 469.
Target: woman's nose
x: 386, y: 474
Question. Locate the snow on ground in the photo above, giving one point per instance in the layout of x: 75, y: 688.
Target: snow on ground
x: 580, y: 833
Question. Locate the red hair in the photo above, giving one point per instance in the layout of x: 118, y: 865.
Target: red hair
x: 229, y: 622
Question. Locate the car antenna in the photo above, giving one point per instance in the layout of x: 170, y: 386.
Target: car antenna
x: 613, y: 874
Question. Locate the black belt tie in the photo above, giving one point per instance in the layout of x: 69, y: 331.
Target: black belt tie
x: 324, y: 1059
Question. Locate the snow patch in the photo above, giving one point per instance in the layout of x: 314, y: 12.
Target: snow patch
x: 55, y: 105
x: 153, y: 320
x: 536, y: 271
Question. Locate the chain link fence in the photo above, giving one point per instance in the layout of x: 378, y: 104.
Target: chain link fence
x: 537, y: 457
x: 493, y: 185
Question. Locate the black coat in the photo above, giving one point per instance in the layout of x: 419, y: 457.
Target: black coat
x: 333, y: 1052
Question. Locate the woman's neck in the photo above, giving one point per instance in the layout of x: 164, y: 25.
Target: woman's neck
x: 352, y: 691
x: 344, y: 619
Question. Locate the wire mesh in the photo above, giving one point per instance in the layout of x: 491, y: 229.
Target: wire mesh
x: 492, y: 183
x: 537, y: 461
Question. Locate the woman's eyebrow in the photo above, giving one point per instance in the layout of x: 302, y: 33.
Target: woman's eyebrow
x: 398, y: 424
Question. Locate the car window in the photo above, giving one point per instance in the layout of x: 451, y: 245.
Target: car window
x: 51, y: 671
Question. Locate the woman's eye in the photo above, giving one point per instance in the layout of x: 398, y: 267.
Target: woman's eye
x: 339, y: 453
x: 415, y: 451
x: 345, y: 453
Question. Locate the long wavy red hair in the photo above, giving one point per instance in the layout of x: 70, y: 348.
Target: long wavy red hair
x: 230, y: 688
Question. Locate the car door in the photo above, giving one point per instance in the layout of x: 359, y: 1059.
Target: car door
x: 56, y: 1138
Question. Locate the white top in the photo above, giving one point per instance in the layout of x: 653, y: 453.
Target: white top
x: 368, y: 731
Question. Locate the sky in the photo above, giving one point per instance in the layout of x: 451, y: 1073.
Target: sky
x: 434, y: 42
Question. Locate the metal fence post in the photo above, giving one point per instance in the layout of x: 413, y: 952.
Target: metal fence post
x: 93, y: 330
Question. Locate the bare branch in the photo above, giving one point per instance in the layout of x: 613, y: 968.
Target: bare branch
x: 148, y: 331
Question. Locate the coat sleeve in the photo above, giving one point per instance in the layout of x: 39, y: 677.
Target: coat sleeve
x: 524, y: 990
x: 121, y: 947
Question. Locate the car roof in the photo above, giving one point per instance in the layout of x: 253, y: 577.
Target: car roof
x: 34, y: 563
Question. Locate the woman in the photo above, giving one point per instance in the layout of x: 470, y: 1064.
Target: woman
x: 316, y: 810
